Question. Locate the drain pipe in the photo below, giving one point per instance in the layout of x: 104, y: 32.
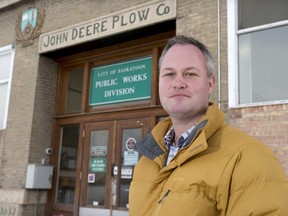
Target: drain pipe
x: 219, y: 54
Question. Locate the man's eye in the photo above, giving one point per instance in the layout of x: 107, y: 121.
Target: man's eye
x: 169, y: 74
x: 190, y: 74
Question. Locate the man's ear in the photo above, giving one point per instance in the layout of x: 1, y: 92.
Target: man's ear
x: 211, y: 84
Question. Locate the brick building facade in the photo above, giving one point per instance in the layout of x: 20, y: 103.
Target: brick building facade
x: 37, y: 116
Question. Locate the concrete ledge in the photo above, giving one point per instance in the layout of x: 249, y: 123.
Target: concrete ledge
x: 100, y: 212
x: 5, y: 3
x: 22, y: 196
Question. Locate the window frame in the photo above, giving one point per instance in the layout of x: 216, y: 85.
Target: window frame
x: 8, y: 49
x: 233, y: 64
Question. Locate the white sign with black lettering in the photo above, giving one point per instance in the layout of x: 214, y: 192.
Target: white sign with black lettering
x: 126, y: 172
x: 130, y: 157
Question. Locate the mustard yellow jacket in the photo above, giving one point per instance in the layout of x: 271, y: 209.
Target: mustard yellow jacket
x: 222, y: 172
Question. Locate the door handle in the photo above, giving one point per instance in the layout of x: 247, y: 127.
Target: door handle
x: 114, y: 170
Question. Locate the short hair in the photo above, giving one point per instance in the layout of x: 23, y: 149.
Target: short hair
x: 183, y: 40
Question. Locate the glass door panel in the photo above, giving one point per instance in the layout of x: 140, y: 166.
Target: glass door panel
x: 128, y: 133
x: 96, y: 170
x: 67, y: 164
x: 128, y: 160
x: 97, y: 182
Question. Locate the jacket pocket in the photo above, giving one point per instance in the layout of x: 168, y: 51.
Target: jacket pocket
x: 189, y: 201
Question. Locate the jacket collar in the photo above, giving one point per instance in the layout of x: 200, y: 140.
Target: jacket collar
x: 152, y: 146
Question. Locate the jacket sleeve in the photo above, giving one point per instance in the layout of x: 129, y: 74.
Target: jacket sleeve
x: 253, y: 183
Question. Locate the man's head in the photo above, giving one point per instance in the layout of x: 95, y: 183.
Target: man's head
x: 186, y: 78
x: 180, y: 39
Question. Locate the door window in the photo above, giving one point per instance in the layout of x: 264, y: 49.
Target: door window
x: 67, y: 164
x: 128, y: 160
x: 96, y: 188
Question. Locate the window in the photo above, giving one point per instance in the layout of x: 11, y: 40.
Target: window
x: 257, y: 50
x: 6, y: 68
x: 74, y: 90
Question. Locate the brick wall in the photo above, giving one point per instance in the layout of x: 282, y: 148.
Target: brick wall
x: 268, y: 124
x: 42, y: 125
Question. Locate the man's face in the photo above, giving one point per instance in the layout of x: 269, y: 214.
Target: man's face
x: 184, y: 86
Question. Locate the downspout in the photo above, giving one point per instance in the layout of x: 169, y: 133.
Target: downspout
x: 219, y: 54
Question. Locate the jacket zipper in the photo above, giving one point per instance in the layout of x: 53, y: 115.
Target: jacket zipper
x: 164, y: 196
x: 160, y: 202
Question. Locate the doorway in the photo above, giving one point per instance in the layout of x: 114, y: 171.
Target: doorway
x: 108, y: 163
x: 93, y: 144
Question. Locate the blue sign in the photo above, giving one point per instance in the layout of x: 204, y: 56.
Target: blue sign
x: 29, y: 17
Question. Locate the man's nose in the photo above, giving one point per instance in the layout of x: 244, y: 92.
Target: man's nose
x: 179, y: 82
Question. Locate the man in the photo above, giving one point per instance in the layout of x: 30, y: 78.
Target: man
x: 192, y: 162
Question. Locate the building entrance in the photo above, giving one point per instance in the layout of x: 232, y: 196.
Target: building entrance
x: 96, y: 163
x: 96, y: 127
